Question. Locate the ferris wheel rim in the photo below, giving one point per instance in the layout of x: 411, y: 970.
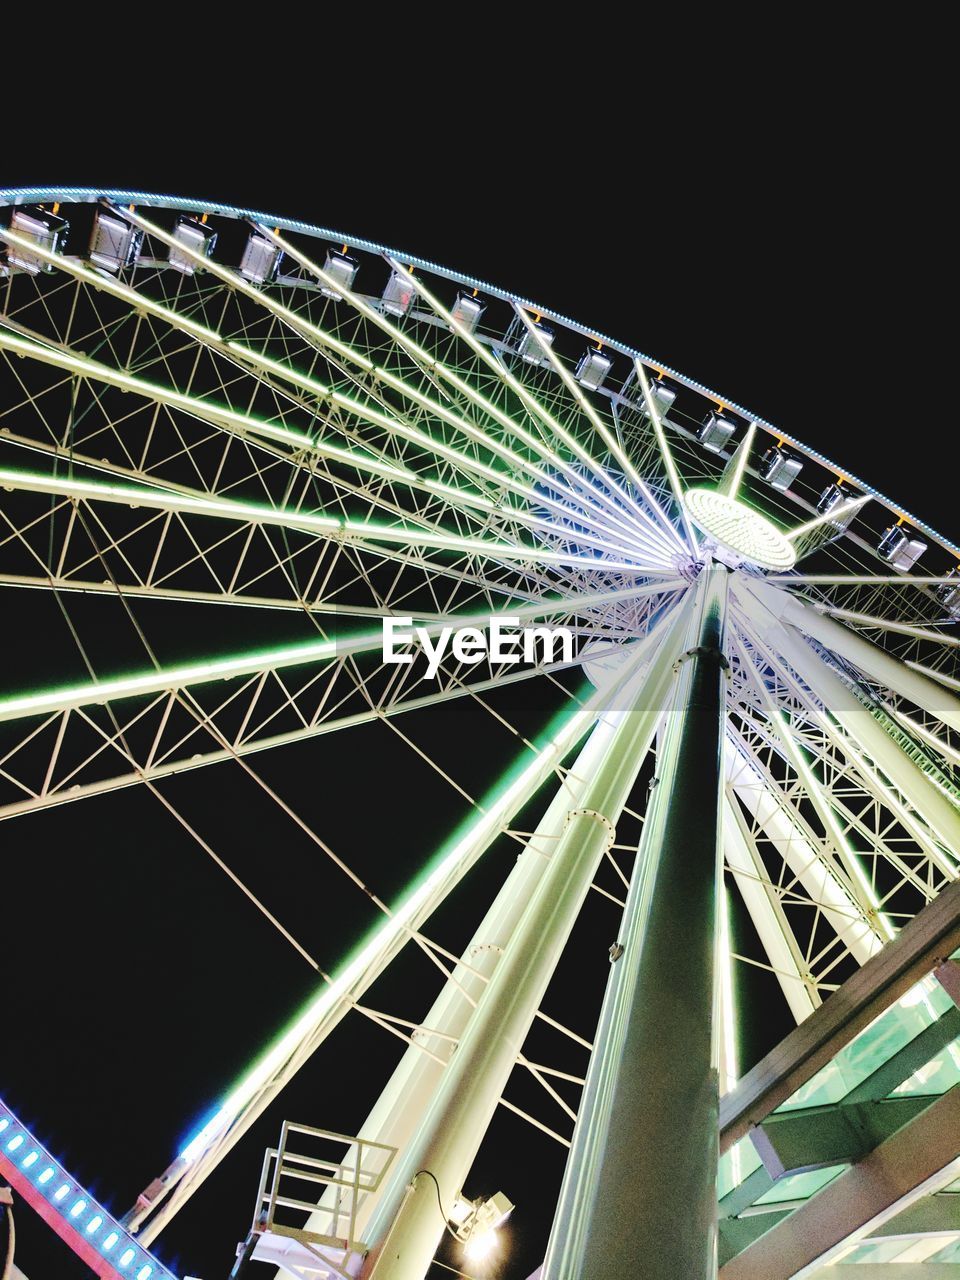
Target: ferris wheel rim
x: 13, y: 196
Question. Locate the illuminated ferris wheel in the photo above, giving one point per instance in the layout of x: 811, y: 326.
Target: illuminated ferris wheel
x: 213, y: 406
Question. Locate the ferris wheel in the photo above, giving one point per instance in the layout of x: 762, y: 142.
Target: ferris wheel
x: 207, y: 406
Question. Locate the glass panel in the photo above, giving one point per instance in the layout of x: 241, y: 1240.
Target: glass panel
x: 800, y: 1186
x: 875, y: 1251
x: 935, y: 1077
x: 918, y: 1009
x: 950, y: 1254
x: 736, y: 1164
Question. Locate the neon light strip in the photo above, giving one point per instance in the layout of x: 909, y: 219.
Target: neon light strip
x: 829, y: 517
x: 316, y: 651
x: 83, y: 1224
x: 676, y: 484
x: 243, y: 423
x: 427, y: 360
x: 325, y: 526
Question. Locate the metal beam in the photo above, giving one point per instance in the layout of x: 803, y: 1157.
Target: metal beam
x: 147, y: 682
x: 794, y: 1141
x: 869, y: 657
x: 766, y: 913
x: 267, y: 1076
x: 322, y: 526
x: 920, y: 1158
x: 923, y: 943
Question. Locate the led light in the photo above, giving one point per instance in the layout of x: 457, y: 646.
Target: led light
x: 46, y: 1176
x: 15, y: 1143
x: 94, y: 1224
x: 62, y: 1192
x: 740, y: 529
x: 110, y: 1241
x: 145, y: 1273
x: 4, y: 1124
x: 78, y: 1208
x: 127, y: 1257
x: 30, y: 1160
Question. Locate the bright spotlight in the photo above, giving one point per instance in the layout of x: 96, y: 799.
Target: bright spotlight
x: 481, y: 1246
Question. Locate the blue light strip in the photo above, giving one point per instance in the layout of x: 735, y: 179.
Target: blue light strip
x: 90, y: 195
x: 34, y: 1173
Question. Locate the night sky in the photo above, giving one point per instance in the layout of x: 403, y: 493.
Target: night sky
x: 767, y: 253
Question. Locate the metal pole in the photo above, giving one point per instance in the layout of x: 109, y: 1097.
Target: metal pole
x: 639, y: 1192
x: 406, y: 1225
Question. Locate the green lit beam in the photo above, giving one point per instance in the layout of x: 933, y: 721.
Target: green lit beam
x: 166, y: 764
x: 443, y: 371
x: 93, y: 692
x: 333, y: 527
x: 676, y: 484
x: 381, y: 374
x: 829, y: 517
x: 857, y: 881
x: 601, y: 428
x: 732, y: 476
x: 245, y: 426
x: 887, y: 624
x: 901, y: 776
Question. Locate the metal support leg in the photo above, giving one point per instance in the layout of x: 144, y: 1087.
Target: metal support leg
x: 405, y: 1227
x: 403, y: 1103
x: 639, y: 1193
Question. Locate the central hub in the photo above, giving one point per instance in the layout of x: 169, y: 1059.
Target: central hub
x: 740, y: 529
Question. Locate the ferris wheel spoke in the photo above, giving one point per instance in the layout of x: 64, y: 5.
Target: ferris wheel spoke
x: 862, y: 735
x: 321, y: 526
x: 612, y: 444
x: 766, y: 912
x: 865, y: 804
x: 265, y: 435
x: 900, y: 677
x: 778, y: 818
x: 904, y: 627
x: 666, y: 455
x: 437, y: 368
x: 269, y: 1074
x: 214, y: 670
x: 859, y: 579
x: 857, y: 880
x: 844, y: 760
x: 158, y: 556
x: 172, y: 737
x: 438, y: 411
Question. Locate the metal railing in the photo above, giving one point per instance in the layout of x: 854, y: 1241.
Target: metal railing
x: 357, y: 1171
